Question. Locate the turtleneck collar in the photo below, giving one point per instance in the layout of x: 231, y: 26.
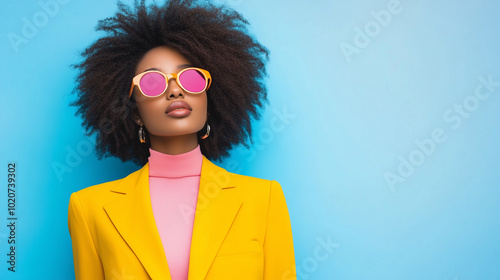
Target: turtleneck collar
x: 175, y: 166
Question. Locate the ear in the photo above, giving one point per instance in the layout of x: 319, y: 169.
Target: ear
x: 136, y: 117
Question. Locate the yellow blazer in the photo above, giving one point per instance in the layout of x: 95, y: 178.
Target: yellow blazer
x: 241, y: 230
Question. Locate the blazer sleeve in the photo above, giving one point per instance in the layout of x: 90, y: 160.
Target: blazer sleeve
x: 279, y: 258
x: 86, y: 260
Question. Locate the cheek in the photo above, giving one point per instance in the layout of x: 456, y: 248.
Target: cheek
x: 201, y: 104
x: 150, y: 108
x: 205, y: 105
x: 142, y: 108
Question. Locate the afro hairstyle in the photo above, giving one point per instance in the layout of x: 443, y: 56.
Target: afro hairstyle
x: 212, y: 37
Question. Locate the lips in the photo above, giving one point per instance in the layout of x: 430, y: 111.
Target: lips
x: 177, y: 105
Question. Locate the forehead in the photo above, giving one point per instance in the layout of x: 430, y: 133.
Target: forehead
x: 163, y: 58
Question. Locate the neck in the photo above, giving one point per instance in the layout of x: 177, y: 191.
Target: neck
x: 174, y: 145
x: 175, y: 166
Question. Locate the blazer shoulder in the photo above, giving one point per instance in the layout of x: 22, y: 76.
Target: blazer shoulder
x: 254, y: 186
x: 101, y: 190
x: 248, y: 185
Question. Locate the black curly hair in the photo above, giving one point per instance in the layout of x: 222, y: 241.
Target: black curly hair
x: 212, y: 37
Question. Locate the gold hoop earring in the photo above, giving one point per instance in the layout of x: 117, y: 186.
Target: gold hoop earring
x: 208, y: 132
x: 142, y: 135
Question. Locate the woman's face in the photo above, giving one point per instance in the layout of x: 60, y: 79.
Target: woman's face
x: 153, y: 110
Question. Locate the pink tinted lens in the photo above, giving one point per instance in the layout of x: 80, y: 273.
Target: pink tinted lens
x: 192, y: 80
x: 152, y: 84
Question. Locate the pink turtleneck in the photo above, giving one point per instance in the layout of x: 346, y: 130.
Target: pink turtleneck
x: 173, y: 187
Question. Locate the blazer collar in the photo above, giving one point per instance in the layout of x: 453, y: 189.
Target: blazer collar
x: 216, y: 207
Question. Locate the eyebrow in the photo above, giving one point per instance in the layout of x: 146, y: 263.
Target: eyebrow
x: 180, y: 67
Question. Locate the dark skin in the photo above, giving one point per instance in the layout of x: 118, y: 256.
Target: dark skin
x: 169, y: 134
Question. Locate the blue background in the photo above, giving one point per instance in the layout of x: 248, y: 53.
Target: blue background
x: 375, y: 130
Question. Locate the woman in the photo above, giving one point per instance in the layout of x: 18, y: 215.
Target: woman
x: 183, y: 78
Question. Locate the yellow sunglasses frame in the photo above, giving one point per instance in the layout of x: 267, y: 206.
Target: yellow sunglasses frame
x: 137, y: 79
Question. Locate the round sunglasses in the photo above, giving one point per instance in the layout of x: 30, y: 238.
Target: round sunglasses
x: 154, y: 83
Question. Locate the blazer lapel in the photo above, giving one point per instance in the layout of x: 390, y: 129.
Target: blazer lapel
x: 216, y: 207
x: 132, y: 215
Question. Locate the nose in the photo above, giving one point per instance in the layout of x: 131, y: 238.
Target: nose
x: 174, y: 90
